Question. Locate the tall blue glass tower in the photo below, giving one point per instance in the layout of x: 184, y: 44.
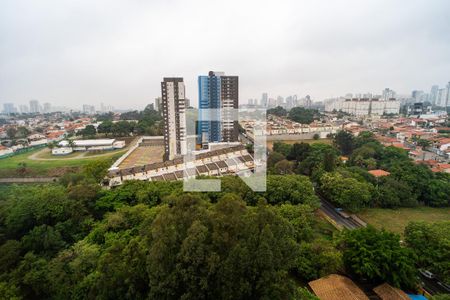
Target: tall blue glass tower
x: 209, y: 98
x: 217, y: 91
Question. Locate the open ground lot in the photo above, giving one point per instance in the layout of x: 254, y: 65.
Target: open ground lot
x: 41, y: 163
x: 142, y: 156
x: 396, y: 219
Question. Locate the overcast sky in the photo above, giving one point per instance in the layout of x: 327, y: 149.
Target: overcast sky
x: 117, y: 52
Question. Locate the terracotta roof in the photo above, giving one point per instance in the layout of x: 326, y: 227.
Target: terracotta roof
x: 430, y: 162
x: 443, y: 141
x: 388, y: 292
x: 55, y: 134
x: 441, y: 168
x: 400, y: 145
x: 336, y: 287
x: 379, y: 173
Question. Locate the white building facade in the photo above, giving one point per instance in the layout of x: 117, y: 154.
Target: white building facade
x: 174, y: 115
x: 363, y: 106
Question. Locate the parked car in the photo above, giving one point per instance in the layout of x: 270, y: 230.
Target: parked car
x: 426, y: 274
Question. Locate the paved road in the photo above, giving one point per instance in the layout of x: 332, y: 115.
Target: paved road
x: 35, y: 156
x: 28, y: 180
x: 331, y: 212
x: 432, y: 286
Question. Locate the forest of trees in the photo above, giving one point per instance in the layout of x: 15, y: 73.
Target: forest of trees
x: 151, y: 240
x: 349, y: 185
x: 146, y: 122
x: 296, y: 114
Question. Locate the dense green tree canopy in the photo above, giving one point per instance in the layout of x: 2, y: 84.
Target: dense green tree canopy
x: 277, y: 111
x: 303, y: 115
x: 345, y: 192
x: 378, y: 256
x: 149, y: 240
x: 343, y: 141
x: 431, y: 243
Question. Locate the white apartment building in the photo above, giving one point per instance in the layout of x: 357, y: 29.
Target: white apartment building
x: 363, y: 106
x: 174, y: 114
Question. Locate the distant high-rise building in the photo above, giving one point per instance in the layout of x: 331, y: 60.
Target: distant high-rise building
x: 47, y: 107
x: 89, y: 109
x: 280, y: 101
x: 9, y: 108
x: 105, y: 108
x: 308, y: 101
x: 417, y: 95
x: 34, y: 107
x: 220, y: 93
x: 187, y: 102
x: 24, y: 109
x: 272, y: 102
x: 158, y: 104
x: 447, y: 101
x: 264, y: 100
x: 174, y: 115
x: 433, y: 94
x: 388, y: 94
x: 441, y: 97
x: 289, y: 102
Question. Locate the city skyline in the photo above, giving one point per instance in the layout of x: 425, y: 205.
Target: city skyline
x: 80, y: 52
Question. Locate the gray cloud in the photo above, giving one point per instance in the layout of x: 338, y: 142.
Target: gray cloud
x: 116, y: 52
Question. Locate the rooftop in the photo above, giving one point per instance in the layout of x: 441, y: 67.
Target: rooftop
x: 379, y: 173
x: 388, y: 292
x: 84, y: 143
x: 336, y: 287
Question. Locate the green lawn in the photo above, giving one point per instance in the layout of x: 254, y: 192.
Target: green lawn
x: 396, y: 219
x: 308, y: 141
x: 50, y: 167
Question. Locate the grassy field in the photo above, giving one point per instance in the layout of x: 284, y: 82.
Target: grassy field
x: 309, y: 141
x: 396, y: 219
x: 48, y: 166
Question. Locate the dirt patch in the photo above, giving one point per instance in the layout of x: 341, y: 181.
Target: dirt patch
x: 58, y: 172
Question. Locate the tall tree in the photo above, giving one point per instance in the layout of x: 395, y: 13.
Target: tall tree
x: 303, y: 115
x: 377, y: 255
x: 431, y: 243
x: 343, y: 140
x: 348, y: 193
x: 277, y: 111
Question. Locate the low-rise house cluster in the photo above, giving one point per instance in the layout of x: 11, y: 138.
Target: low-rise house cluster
x: 283, y: 126
x: 227, y: 161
